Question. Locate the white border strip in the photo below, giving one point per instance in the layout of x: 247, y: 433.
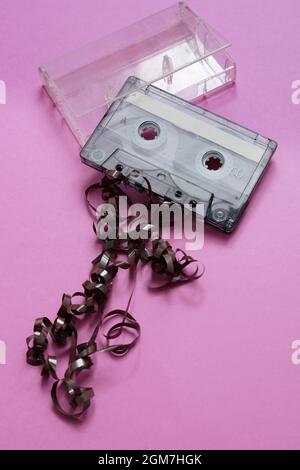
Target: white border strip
x: 196, y: 126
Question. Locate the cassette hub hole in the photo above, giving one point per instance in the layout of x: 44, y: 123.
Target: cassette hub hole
x: 149, y: 130
x: 213, y: 161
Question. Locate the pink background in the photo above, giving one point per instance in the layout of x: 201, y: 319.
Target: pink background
x: 213, y: 368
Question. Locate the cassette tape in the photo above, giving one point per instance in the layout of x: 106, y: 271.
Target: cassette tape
x: 188, y: 154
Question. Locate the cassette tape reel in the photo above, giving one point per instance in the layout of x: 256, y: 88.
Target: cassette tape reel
x: 188, y: 154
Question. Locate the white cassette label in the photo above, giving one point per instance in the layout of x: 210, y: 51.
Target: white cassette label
x: 196, y: 126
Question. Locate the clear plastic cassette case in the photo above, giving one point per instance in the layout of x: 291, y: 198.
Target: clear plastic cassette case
x: 188, y: 154
x: 173, y: 49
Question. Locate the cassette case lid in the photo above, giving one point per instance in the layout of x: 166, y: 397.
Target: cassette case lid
x: 173, y: 49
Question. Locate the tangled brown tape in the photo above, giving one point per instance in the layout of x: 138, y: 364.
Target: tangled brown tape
x: 91, y: 303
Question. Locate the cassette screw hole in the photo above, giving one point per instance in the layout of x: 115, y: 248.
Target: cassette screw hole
x: 119, y: 167
x: 193, y: 203
x: 161, y: 176
x: 178, y: 194
x: 219, y: 215
x: 213, y: 161
x: 149, y: 130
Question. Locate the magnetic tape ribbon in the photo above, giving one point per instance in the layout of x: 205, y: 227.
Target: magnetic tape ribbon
x: 90, y: 303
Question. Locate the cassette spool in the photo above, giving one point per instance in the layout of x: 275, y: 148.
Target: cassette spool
x: 188, y: 154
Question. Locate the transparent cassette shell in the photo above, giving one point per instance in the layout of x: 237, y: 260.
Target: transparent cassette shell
x: 173, y: 49
x: 188, y: 154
